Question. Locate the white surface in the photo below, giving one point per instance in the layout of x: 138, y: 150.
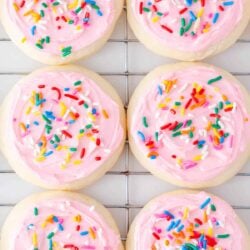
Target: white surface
x: 128, y: 186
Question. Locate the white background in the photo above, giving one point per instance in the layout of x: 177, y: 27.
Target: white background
x: 124, y: 190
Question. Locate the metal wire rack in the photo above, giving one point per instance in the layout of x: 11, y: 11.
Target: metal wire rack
x: 127, y: 172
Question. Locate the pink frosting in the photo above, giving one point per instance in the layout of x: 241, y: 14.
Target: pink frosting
x: 71, y: 224
x: 189, y: 128
x: 186, y: 25
x: 52, y: 25
x: 175, y: 222
x: 63, y: 126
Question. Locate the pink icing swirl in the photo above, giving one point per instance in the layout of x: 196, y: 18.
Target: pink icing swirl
x: 188, y: 221
x: 60, y: 27
x: 63, y: 125
x: 188, y: 25
x: 191, y: 123
x: 64, y: 224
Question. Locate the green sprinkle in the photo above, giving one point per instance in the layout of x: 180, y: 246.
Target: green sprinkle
x: 47, y: 39
x: 66, y: 51
x: 77, y: 83
x: 213, y: 208
x: 78, y: 10
x: 38, y: 45
x: 44, y: 5
x: 42, y: 41
x: 177, y: 103
x: 37, y: 99
x: 42, y: 13
x: 178, y: 126
x: 159, y: 13
x: 182, y: 31
x: 156, y: 136
x: 183, y: 22
x: 189, y: 123
x: 223, y: 236
x: 46, y: 119
x: 187, y: 28
x: 70, y: 22
x: 73, y: 149
x: 144, y: 121
x: 52, y: 142
x: 55, y: 3
x: 216, y: 79
x: 81, y: 131
x: 85, y: 105
x: 216, y: 126
x: 216, y: 110
x: 221, y: 105
x: 88, y: 126
x: 176, y: 134
x: 35, y: 211
x: 226, y: 135
x: 146, y: 9
x: 191, y: 134
x: 57, y: 138
x: 51, y: 235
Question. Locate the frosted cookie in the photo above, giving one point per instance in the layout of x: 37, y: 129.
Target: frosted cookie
x: 62, y: 127
x: 189, y: 124
x: 187, y: 220
x: 186, y: 29
x: 60, y: 220
x: 59, y: 32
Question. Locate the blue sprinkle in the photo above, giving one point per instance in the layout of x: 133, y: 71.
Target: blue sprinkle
x: 177, y: 223
x: 222, y: 139
x: 171, y: 226
x: 66, y: 89
x: 216, y: 17
x: 153, y: 157
x: 48, y: 153
x: 55, y: 219
x: 189, y: 2
x: 192, y: 15
x: 228, y: 3
x: 83, y: 233
x: 141, y: 135
x: 180, y: 228
x: 160, y: 90
x: 27, y: 126
x: 166, y: 212
x: 99, y: 13
x: 205, y: 203
x: 94, y: 111
x: 60, y: 227
x: 36, y: 123
x: 40, y: 144
x: 71, y: 121
x: 33, y: 30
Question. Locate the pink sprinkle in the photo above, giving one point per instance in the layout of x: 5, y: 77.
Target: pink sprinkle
x: 231, y: 141
x: 189, y: 164
x: 219, y: 147
x: 170, y: 236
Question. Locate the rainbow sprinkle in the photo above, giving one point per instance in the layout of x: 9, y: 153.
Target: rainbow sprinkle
x: 192, y: 17
x: 76, y: 15
x: 189, y: 228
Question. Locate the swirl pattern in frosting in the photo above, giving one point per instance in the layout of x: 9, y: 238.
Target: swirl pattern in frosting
x: 191, y: 123
x: 188, y: 25
x: 188, y: 222
x: 63, y: 126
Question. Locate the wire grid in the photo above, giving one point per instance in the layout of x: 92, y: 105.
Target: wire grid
x: 127, y: 172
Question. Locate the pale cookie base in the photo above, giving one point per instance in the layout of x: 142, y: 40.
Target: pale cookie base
x: 20, y: 166
x: 130, y: 244
x: 159, y: 48
x: 46, y: 58
x: 19, y: 212
x: 140, y: 91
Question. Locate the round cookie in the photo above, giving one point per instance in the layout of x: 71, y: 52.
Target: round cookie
x: 60, y: 220
x: 58, y: 32
x: 189, y: 124
x: 188, y: 30
x: 187, y: 220
x: 62, y: 127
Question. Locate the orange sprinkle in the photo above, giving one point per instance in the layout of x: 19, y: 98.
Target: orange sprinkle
x: 105, y: 114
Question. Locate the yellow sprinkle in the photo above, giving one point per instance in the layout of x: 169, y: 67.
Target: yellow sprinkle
x: 23, y: 40
x: 73, y: 5
x: 59, y: 148
x: 22, y: 126
x: 28, y: 110
x: 63, y: 166
x: 216, y: 89
x: 15, y: 7
x: 161, y: 105
x: 78, y: 27
x: 79, y: 136
x: 34, y: 240
x: 200, y: 12
x: 155, y: 19
x: 166, y: 243
x: 210, y: 231
x: 216, y: 133
x: 78, y: 218
x: 185, y: 214
x: 68, y: 158
x: 182, y: 111
x: 197, y: 158
x: 40, y: 158
x: 230, y: 106
x: 44, y: 224
x: 168, y: 99
x: 77, y: 162
x: 63, y: 109
x: 179, y: 161
x: 91, y: 117
x: 92, y: 233
x: 105, y: 114
x: 37, y: 113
